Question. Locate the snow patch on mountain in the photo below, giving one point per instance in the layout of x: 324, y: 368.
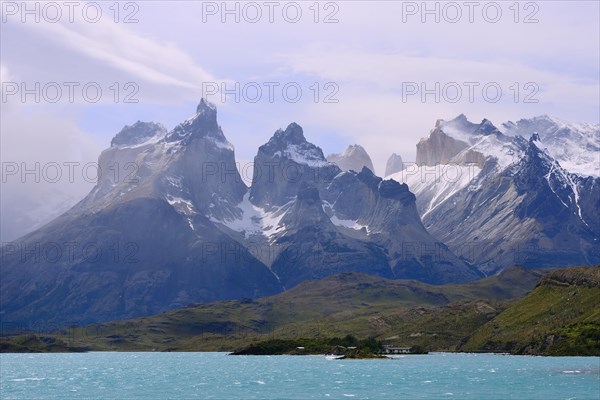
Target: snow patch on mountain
x: 175, y: 181
x: 184, y: 207
x: 503, y: 149
x: 254, y: 220
x: 150, y: 141
x: 139, y: 134
x: 460, y: 128
x: 221, y: 144
x: 458, y: 134
x: 301, y: 154
x: 348, y: 223
x: 329, y: 210
x: 576, y: 146
x: 483, y: 138
x: 435, y: 185
x: 562, y: 180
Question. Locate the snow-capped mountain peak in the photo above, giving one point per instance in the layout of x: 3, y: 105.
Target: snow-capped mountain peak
x: 139, y: 134
x: 575, y: 145
x: 460, y: 128
x: 206, y: 106
x: 486, y: 127
x: 203, y: 125
x: 291, y: 144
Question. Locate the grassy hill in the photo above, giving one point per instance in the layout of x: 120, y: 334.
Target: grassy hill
x: 561, y: 316
x: 406, y: 313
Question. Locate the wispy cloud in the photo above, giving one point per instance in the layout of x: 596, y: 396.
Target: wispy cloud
x: 110, y: 51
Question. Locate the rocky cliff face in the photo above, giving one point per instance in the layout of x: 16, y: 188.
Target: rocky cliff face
x: 514, y: 204
x: 359, y: 204
x: 438, y: 148
x: 574, y: 146
x: 283, y: 163
x: 455, y: 142
x: 354, y: 158
x: 312, y: 247
x: 172, y: 223
x: 142, y: 241
x: 394, y: 164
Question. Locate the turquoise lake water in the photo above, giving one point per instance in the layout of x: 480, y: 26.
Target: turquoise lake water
x: 219, y: 376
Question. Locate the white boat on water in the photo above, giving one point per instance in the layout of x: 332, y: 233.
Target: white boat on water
x: 334, y: 357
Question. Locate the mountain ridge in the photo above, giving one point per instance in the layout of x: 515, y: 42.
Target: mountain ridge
x: 175, y: 223
x: 506, y: 197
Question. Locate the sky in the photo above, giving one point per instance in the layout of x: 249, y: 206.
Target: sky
x: 378, y: 74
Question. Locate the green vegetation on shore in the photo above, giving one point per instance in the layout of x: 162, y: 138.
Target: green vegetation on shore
x: 561, y: 316
x: 487, y: 315
x: 346, y: 347
x: 30, y: 343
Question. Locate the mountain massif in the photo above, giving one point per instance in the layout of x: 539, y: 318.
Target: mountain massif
x: 499, y: 199
x: 142, y: 241
x: 171, y: 222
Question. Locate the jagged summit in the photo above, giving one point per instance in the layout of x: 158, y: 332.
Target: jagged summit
x: 164, y: 211
x: 393, y: 190
x: 460, y: 121
x: 354, y: 158
x: 349, y: 218
x: 283, y: 163
x: 394, y: 164
x: 574, y: 145
x: 138, y: 134
x: 206, y: 106
x: 369, y: 178
x: 486, y: 127
x: 293, y: 134
x: 540, y: 122
x: 535, y: 150
x: 291, y: 145
x: 202, y: 125
x: 462, y: 129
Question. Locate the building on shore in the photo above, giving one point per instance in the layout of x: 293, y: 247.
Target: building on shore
x: 387, y: 349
